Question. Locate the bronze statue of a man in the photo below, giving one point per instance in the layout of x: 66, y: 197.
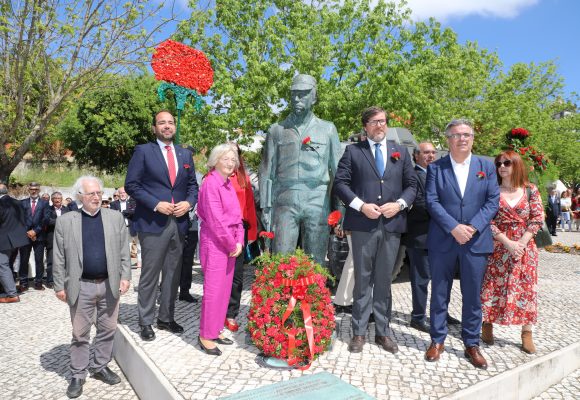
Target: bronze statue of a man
x: 299, y: 161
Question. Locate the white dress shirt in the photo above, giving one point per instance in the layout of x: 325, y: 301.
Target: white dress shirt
x: 461, y: 171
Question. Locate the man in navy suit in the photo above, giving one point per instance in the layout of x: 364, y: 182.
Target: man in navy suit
x: 51, y: 214
x: 375, y: 179
x: 462, y: 198
x: 161, y: 179
x: 553, y: 211
x: 34, y: 209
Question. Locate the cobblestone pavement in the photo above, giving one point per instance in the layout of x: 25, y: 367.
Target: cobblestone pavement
x: 36, y: 334
x: 567, y: 389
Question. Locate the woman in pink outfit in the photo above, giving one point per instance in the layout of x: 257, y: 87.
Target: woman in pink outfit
x: 221, y: 241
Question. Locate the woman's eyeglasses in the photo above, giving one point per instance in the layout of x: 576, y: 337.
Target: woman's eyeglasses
x: 505, y: 163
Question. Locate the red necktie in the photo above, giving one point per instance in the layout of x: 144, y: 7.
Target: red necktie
x: 170, y: 164
x: 33, y: 205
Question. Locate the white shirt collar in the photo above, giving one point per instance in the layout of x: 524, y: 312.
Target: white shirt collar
x: 463, y: 164
x: 88, y: 213
x: 422, y: 169
x: 162, y: 145
x: 372, y: 142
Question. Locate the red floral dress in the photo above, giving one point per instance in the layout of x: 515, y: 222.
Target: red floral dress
x: 509, y: 296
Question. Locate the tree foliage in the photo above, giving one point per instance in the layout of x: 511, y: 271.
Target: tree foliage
x: 363, y: 55
x: 52, y: 52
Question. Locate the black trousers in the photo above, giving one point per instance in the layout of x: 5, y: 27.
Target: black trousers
x: 38, y: 246
x: 238, y: 282
x: 187, y: 261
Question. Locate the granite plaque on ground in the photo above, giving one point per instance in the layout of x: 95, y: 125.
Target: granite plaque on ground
x: 321, y: 386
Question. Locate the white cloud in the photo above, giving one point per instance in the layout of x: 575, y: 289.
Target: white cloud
x: 444, y: 9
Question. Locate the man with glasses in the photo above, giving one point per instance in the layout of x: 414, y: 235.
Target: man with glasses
x: 92, y: 268
x: 462, y: 197
x: 161, y: 179
x: 34, y: 209
x: 375, y: 179
x: 52, y: 213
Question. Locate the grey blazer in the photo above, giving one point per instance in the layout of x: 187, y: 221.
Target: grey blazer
x: 68, y: 252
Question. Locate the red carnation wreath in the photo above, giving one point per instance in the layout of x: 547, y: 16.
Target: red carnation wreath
x: 291, y: 315
x: 180, y: 64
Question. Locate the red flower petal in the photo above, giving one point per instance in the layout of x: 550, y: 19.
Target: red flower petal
x: 334, y: 217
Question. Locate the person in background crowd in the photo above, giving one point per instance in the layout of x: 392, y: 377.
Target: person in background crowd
x: 105, y: 202
x: 509, y: 294
x: 45, y: 197
x: 462, y: 197
x: 116, y: 195
x: 51, y: 214
x: 553, y: 211
x: 576, y: 209
x: 34, y: 208
x: 241, y: 183
x: 161, y: 179
x: 12, y: 236
x: 126, y: 205
x: 415, y: 239
x: 375, y: 178
x: 221, y: 242
x: 92, y: 268
x: 565, y: 209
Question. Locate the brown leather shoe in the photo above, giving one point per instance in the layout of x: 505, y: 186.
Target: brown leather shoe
x: 387, y: 344
x: 487, y: 333
x: 434, y: 351
x: 475, y: 357
x: 8, y: 299
x: 356, y: 344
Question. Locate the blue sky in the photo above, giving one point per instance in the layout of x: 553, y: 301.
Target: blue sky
x: 518, y: 30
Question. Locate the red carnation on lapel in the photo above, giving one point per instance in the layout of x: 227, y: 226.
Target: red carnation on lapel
x: 396, y: 155
x: 186, y: 166
x: 480, y: 175
x: 306, y: 140
x: 269, y: 235
x: 334, y: 217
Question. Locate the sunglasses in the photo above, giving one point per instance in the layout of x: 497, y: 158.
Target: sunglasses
x: 505, y: 163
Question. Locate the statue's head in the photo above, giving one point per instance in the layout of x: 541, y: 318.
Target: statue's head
x: 302, y: 93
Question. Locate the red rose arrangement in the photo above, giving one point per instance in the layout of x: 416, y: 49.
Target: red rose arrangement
x: 306, y: 140
x: 517, y: 138
x: 480, y: 175
x: 182, y: 65
x: 291, y: 315
x: 334, y: 218
x: 519, y: 133
x: 269, y: 235
x: 396, y: 156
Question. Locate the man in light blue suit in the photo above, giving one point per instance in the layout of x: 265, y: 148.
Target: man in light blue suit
x: 462, y: 197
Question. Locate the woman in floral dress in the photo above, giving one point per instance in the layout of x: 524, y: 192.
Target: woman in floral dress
x: 509, y: 296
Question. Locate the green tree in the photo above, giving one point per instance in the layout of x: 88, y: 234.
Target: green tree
x: 52, y: 52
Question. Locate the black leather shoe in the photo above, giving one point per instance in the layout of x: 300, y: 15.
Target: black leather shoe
x: 225, y: 341
x: 356, y: 344
x: 107, y: 376
x: 172, y: 326
x: 50, y: 285
x: 75, y: 388
x: 212, y: 352
x: 422, y: 326
x: 187, y: 297
x: 387, y: 344
x: 147, y: 333
x: 453, y: 321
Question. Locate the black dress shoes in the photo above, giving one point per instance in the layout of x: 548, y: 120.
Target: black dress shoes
x: 422, y: 326
x: 453, y: 321
x: 172, y: 326
x: 107, y: 376
x: 187, y: 298
x: 225, y: 341
x: 387, y: 344
x: 356, y: 344
x: 212, y: 352
x: 38, y: 286
x: 75, y: 388
x: 147, y: 333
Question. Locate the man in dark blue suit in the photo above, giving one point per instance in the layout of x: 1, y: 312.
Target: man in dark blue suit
x: 376, y: 181
x: 553, y: 211
x: 50, y: 215
x: 462, y: 198
x: 34, y: 209
x: 161, y: 179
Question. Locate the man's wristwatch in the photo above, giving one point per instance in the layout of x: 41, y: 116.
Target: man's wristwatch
x: 401, y: 205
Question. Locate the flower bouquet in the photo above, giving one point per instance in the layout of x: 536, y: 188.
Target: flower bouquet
x: 291, y: 315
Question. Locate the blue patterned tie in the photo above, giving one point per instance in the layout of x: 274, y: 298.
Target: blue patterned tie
x: 379, y: 162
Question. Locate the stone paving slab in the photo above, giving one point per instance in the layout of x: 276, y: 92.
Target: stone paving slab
x: 382, y: 375
x: 36, y: 334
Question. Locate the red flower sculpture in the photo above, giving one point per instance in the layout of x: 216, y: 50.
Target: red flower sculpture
x: 334, y: 218
x: 520, y: 133
x: 306, y: 140
x: 396, y: 155
x: 180, y: 64
x: 269, y: 235
x: 480, y: 175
